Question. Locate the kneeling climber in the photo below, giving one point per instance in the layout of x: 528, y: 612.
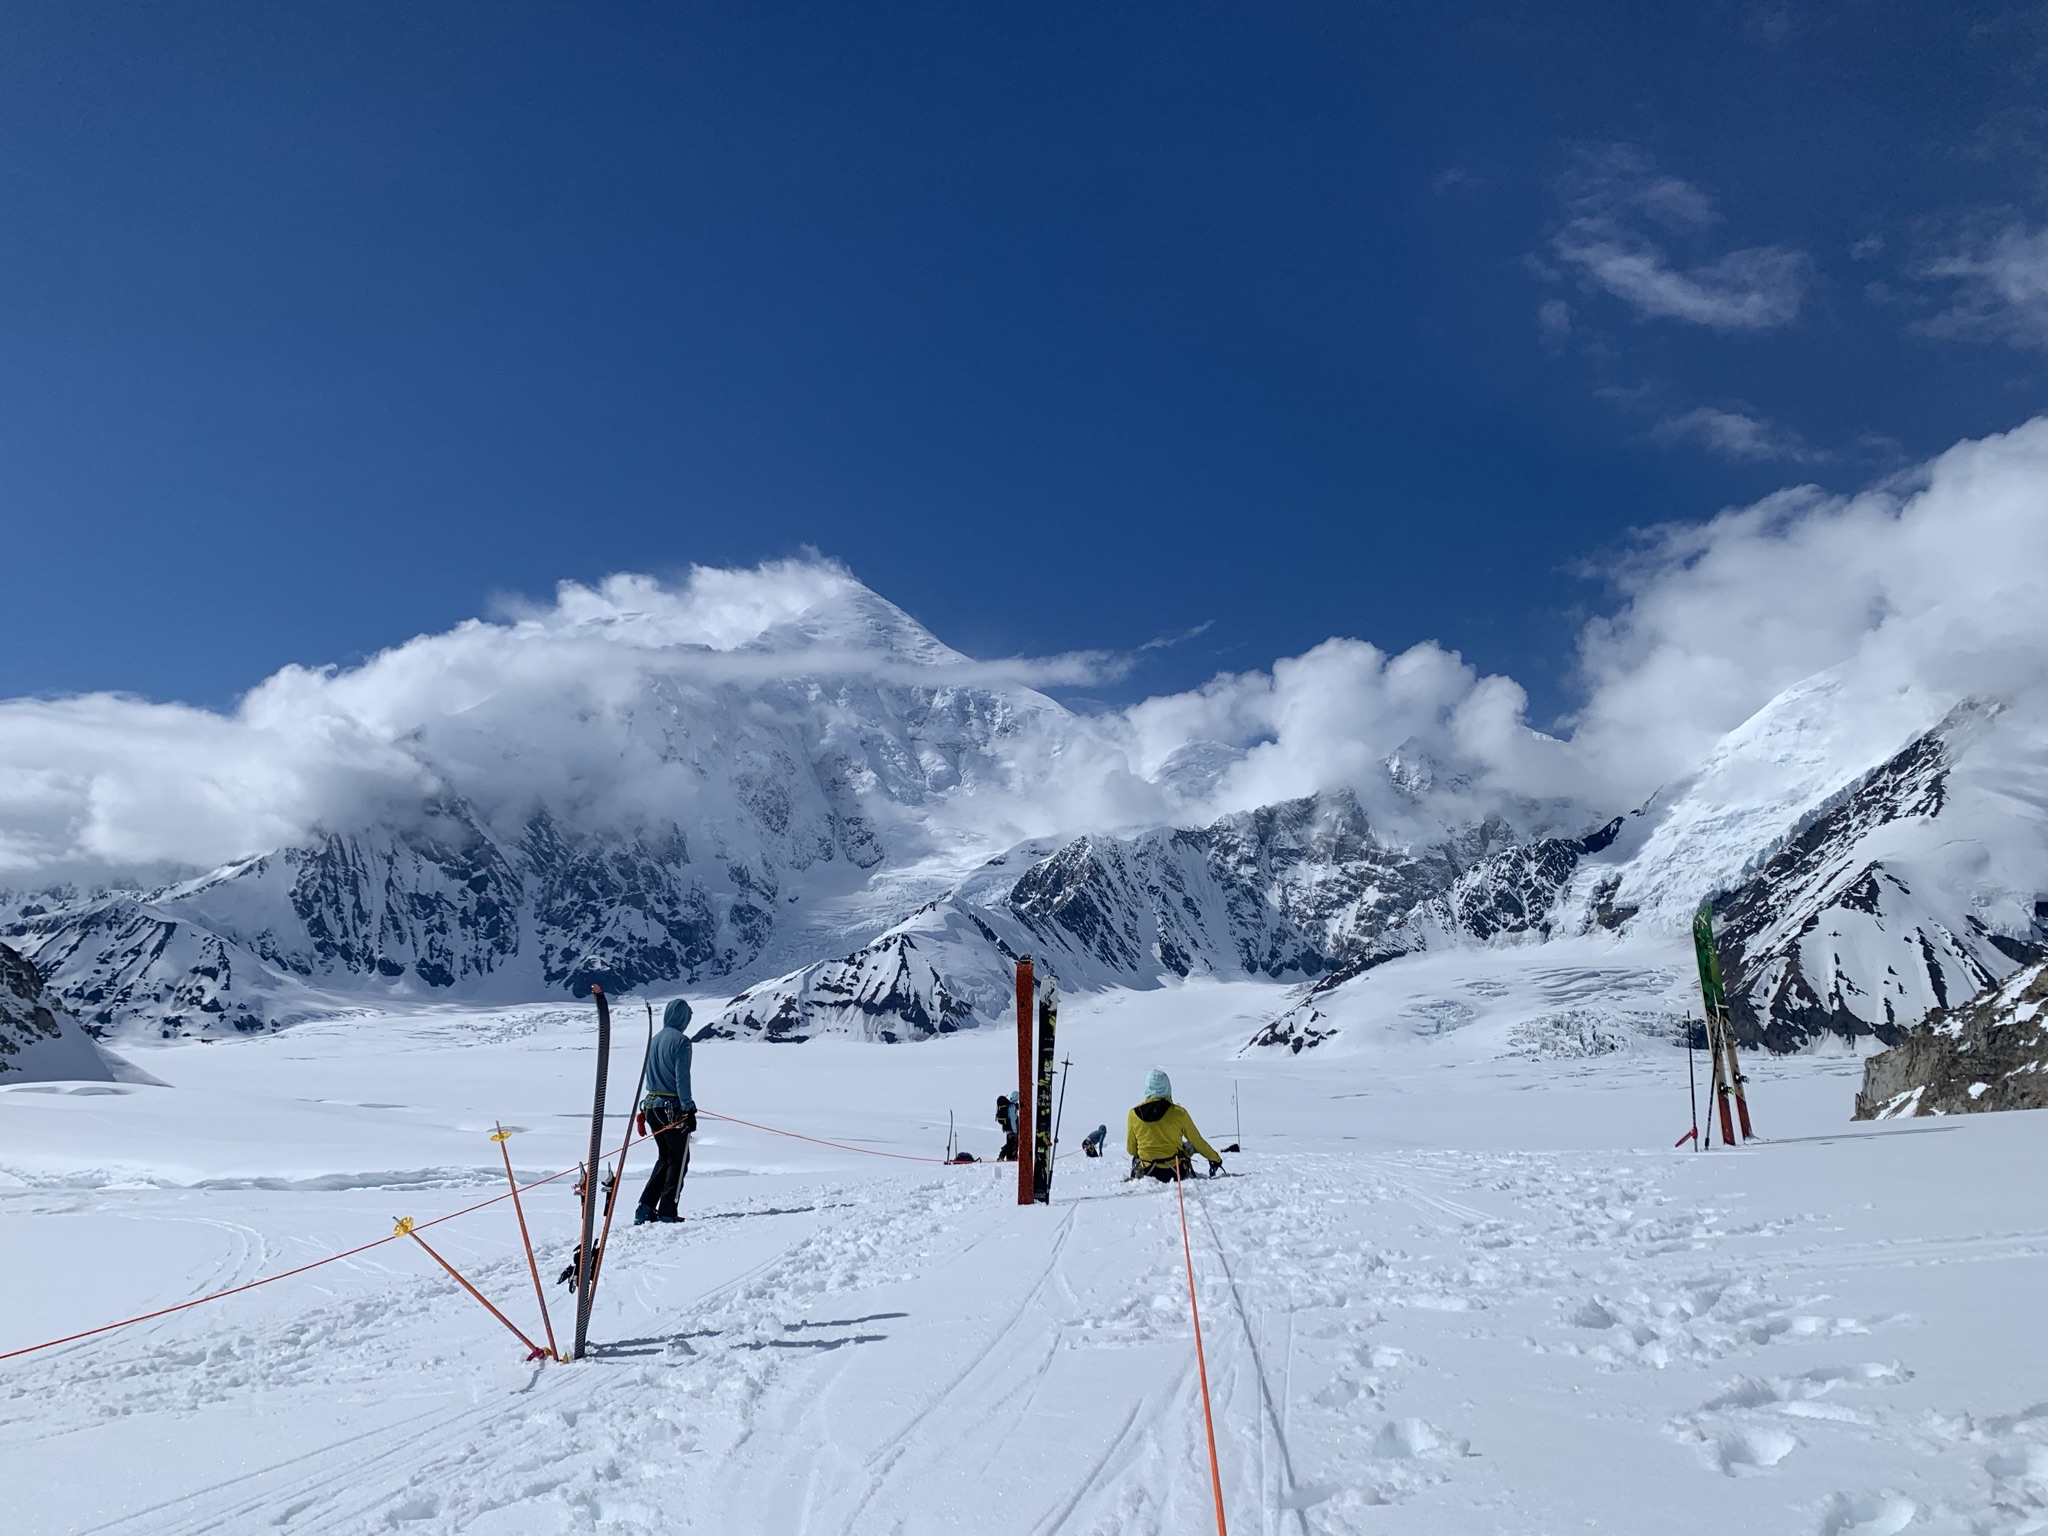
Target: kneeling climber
x: 1161, y: 1136
x: 669, y: 1112
x: 1006, y: 1117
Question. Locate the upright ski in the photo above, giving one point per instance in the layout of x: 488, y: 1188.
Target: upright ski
x: 618, y: 1178
x: 586, y: 1252
x: 1027, y: 1189
x: 1726, y: 1071
x: 1048, y: 1023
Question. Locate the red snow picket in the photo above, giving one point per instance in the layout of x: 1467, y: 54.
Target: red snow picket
x: 1201, y: 1364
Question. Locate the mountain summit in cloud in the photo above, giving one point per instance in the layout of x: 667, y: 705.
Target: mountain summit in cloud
x: 749, y: 773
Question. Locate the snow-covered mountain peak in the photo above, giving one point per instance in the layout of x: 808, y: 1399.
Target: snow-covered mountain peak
x: 786, y: 607
x: 1711, y: 828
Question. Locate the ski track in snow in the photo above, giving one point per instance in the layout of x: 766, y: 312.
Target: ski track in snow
x: 1401, y: 1336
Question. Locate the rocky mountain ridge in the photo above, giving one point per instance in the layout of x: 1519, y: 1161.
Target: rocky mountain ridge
x: 799, y: 808
x: 1289, y: 892
x: 1989, y: 1054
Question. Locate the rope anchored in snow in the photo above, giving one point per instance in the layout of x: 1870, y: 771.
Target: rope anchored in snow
x: 1201, y: 1365
x: 512, y: 1193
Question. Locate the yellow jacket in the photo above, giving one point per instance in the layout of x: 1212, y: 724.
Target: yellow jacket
x: 1156, y: 1137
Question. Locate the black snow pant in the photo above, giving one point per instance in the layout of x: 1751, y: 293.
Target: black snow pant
x: 1182, y: 1167
x: 672, y: 1143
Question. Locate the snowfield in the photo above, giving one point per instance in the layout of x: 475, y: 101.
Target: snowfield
x: 1459, y: 1281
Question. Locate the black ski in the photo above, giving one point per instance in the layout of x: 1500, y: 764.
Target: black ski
x: 1048, y: 1022
x: 586, y: 1254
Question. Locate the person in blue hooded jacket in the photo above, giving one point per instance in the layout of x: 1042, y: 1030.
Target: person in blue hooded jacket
x: 669, y: 1112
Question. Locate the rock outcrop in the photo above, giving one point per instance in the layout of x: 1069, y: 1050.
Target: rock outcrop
x: 1991, y: 1053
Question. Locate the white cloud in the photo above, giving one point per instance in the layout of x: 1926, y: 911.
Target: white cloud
x: 565, y: 703
x: 1620, y: 214
x: 633, y: 699
x: 1936, y: 583
x: 1732, y: 435
x: 2001, y: 288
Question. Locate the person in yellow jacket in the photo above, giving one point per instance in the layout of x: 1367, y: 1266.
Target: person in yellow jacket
x: 1161, y: 1136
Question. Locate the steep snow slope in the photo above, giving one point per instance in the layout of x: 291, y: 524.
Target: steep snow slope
x: 1888, y: 903
x: 1852, y: 898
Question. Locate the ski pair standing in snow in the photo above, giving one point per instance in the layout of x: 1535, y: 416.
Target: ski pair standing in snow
x: 1161, y: 1136
x: 670, y: 1112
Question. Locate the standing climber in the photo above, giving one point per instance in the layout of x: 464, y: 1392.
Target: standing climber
x: 669, y: 1112
x: 1161, y: 1136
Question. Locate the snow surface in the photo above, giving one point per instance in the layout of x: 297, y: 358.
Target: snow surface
x: 1460, y: 1282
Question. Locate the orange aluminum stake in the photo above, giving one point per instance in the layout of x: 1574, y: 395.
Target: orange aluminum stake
x: 404, y: 1229
x: 501, y: 1136
x: 1025, y: 1122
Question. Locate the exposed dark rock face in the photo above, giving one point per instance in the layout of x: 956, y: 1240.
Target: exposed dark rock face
x: 442, y: 901
x: 942, y: 970
x: 1512, y: 890
x: 25, y: 1017
x: 39, y: 1041
x: 437, y: 905
x: 1991, y: 1053
x: 1826, y: 940
x: 1296, y: 890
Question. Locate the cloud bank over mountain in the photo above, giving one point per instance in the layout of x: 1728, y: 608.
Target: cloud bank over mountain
x: 1927, y: 587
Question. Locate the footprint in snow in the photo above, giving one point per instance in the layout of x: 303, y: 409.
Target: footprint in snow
x: 1867, y: 1514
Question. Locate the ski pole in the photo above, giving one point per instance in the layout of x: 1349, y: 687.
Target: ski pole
x: 1061, y: 1113
x: 501, y: 1136
x: 1692, y: 1088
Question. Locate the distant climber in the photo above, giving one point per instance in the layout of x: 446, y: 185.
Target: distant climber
x: 1092, y: 1142
x: 670, y: 1113
x: 1006, y: 1117
x: 1161, y: 1137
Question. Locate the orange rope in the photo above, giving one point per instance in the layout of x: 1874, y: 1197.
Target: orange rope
x: 908, y: 1157
x: 1201, y: 1365
x: 236, y: 1290
x: 511, y: 1194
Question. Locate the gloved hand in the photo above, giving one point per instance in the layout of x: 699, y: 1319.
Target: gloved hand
x: 1214, y: 1169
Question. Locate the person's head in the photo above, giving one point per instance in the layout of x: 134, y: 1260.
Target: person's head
x: 676, y: 1015
x: 1157, y: 1086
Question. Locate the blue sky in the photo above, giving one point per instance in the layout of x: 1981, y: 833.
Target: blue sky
x: 1064, y: 326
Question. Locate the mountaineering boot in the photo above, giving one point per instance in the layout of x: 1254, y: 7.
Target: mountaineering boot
x: 642, y: 1215
x: 677, y: 1220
